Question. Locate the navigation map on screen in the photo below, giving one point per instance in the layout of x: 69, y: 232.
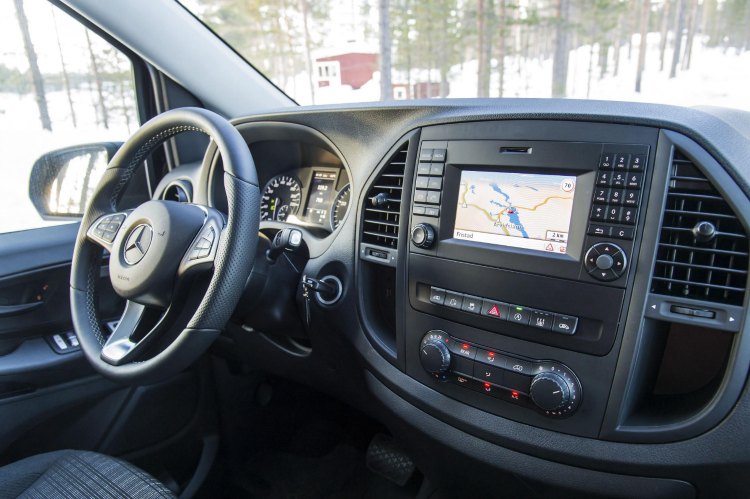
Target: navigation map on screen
x: 529, y: 211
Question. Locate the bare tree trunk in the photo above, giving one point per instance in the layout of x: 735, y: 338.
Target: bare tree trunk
x: 308, y: 47
x: 97, y: 81
x: 562, y: 52
x: 645, y: 13
x: 692, y: 25
x: 501, y: 46
x: 665, y: 15
x: 591, y: 69
x: 618, y: 45
x: 66, y: 79
x: 483, y: 50
x: 386, y: 88
x: 678, y: 37
x: 36, y: 74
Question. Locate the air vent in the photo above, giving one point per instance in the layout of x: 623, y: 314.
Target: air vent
x: 179, y: 191
x: 383, y: 204
x: 703, y: 249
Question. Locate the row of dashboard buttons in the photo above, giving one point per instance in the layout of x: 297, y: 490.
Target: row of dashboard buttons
x: 622, y: 161
x: 517, y: 314
x: 429, y: 182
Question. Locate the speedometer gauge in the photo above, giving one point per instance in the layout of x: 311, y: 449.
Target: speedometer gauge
x: 282, y: 197
x: 340, y: 205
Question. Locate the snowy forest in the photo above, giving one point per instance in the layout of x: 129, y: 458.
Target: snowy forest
x: 499, y: 41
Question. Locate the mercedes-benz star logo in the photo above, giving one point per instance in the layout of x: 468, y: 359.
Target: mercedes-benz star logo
x: 137, y: 243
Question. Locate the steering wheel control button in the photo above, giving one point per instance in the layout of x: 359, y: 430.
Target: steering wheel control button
x: 107, y: 227
x: 565, y: 324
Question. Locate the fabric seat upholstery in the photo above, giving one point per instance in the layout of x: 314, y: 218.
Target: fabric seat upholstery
x: 78, y: 474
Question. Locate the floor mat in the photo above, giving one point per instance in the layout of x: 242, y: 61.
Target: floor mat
x: 339, y: 474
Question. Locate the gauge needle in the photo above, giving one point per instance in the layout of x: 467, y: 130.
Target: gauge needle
x: 275, y: 206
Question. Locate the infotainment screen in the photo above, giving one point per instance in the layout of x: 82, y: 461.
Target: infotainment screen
x: 521, y: 210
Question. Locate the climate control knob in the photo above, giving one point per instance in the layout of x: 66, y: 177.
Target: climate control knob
x: 551, y: 391
x: 435, y: 356
x: 423, y: 236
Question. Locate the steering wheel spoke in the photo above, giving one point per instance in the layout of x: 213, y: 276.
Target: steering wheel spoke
x: 105, y: 228
x: 202, y: 250
x: 131, y: 335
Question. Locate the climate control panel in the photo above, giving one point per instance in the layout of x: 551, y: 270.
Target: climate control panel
x: 542, y: 385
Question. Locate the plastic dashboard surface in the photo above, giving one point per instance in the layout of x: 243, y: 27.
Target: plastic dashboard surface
x: 366, y: 136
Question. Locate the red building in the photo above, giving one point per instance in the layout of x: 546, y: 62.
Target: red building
x: 353, y: 69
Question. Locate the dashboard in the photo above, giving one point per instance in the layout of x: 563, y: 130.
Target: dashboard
x: 548, y: 294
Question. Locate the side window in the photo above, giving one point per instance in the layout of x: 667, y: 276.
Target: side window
x: 66, y: 102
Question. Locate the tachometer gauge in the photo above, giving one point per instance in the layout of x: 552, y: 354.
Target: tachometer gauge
x: 282, y: 197
x: 340, y: 205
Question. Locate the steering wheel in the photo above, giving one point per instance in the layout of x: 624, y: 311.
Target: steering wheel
x: 161, y: 257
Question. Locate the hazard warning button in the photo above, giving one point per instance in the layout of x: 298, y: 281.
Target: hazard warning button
x: 495, y: 309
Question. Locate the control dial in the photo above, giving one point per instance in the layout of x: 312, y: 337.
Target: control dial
x: 423, y: 236
x: 606, y: 261
x: 435, y: 356
x: 550, y: 391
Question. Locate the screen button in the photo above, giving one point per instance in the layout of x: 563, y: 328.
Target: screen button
x: 419, y: 210
x: 422, y: 182
x: 433, y: 197
x: 437, y: 295
x: 542, y: 320
x: 438, y: 155
x: 601, y: 196
x: 623, y: 232
x: 453, y: 300
x: 598, y: 212
x: 420, y: 196
x: 635, y: 180
x: 495, y: 309
x: 435, y: 183
x: 631, y: 199
x: 431, y: 211
x: 472, y: 304
x: 437, y: 169
x: 616, y: 196
x: 613, y: 213
x: 425, y: 155
x: 621, y: 161
x: 519, y: 315
x: 628, y: 216
x: 638, y: 162
x: 603, y: 178
x: 565, y: 324
x: 423, y: 169
x: 619, y: 179
x: 605, y: 162
x: 599, y: 230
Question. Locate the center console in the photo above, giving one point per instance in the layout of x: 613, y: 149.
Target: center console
x: 522, y: 244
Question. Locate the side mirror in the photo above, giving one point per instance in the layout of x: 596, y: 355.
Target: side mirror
x: 62, y: 181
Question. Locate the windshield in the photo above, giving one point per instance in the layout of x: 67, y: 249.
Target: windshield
x: 684, y: 52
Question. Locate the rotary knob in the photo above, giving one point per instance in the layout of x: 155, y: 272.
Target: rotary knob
x: 435, y: 356
x: 550, y: 391
x: 423, y: 236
